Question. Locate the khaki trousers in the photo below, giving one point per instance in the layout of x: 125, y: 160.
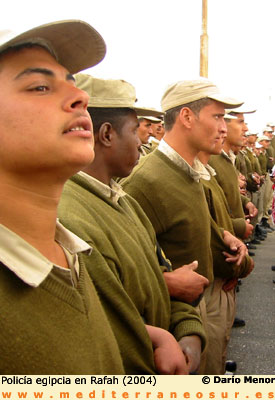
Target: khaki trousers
x: 268, y: 196
x: 217, y: 310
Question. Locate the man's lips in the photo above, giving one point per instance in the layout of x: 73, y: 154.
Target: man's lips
x: 81, y: 126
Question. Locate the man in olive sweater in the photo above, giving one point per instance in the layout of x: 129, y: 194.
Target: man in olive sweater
x: 268, y: 193
x: 227, y: 176
x: 51, y: 321
x: 225, y: 274
x: 95, y: 207
x: 169, y: 189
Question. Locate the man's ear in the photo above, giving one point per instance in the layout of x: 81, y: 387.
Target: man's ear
x: 186, y: 117
x: 106, y: 134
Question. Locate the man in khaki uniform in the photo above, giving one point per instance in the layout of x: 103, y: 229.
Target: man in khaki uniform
x: 169, y: 189
x: 265, y: 142
x: 52, y: 322
x: 145, y: 131
x: 226, y: 175
x: 268, y: 194
x: 97, y: 209
x: 158, y: 133
x: 225, y: 275
x: 270, y: 128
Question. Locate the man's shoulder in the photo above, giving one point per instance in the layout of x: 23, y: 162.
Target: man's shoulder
x: 156, y: 168
x: 78, y: 203
x: 216, y: 160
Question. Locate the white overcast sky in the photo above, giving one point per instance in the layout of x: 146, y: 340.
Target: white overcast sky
x: 152, y: 43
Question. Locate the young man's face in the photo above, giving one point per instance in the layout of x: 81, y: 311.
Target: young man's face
x: 219, y: 145
x: 158, y: 130
x: 236, y: 130
x: 44, y: 123
x: 126, y: 147
x: 265, y: 143
x: 251, y: 140
x: 209, y: 127
x: 268, y: 134
x: 145, y: 130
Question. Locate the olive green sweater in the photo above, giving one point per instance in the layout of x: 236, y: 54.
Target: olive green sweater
x: 176, y: 206
x: 254, y: 162
x: 54, y: 329
x: 240, y: 164
x: 270, y: 153
x: 219, y: 211
x: 243, y: 164
x: 228, y: 180
x: 124, y: 237
x: 263, y: 163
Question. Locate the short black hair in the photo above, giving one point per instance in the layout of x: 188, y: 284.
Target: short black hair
x: 115, y: 116
x: 196, y: 106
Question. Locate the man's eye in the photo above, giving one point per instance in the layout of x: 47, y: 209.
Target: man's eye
x: 40, y: 88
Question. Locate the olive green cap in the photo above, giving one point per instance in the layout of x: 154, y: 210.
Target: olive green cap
x: 184, y: 92
x: 263, y: 137
x: 243, y: 109
x: 111, y: 93
x: 154, y: 120
x: 251, y: 133
x: 75, y: 44
x: 268, y: 129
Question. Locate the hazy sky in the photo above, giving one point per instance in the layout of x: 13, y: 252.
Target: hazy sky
x: 152, y: 43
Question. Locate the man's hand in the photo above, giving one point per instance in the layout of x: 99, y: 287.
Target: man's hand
x: 237, y: 247
x: 250, y: 268
x: 185, y: 284
x: 242, y: 181
x: 168, y: 355
x: 252, y: 210
x: 248, y: 229
x: 191, y: 346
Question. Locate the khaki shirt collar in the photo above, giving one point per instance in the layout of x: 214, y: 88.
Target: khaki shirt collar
x: 27, y: 262
x: 174, y: 156
x: 206, y: 172
x: 230, y: 156
x: 113, y: 192
x: 153, y: 140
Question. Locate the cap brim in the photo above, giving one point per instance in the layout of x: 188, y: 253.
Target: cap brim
x: 151, y: 118
x: 243, y: 110
x: 228, y: 116
x: 77, y: 45
x: 228, y: 102
x: 147, y: 112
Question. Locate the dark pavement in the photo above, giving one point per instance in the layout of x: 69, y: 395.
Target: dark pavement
x: 253, y: 346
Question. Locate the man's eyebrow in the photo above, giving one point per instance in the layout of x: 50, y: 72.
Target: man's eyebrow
x: 43, y: 71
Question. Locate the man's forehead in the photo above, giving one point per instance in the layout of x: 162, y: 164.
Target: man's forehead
x: 240, y: 117
x: 28, y: 60
x: 145, y: 122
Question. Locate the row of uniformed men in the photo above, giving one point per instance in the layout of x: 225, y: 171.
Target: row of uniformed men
x: 255, y: 162
x: 107, y: 301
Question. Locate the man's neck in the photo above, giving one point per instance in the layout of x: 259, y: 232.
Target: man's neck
x: 226, y: 147
x: 101, y: 174
x: 31, y: 213
x: 203, y: 157
x: 187, y: 153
